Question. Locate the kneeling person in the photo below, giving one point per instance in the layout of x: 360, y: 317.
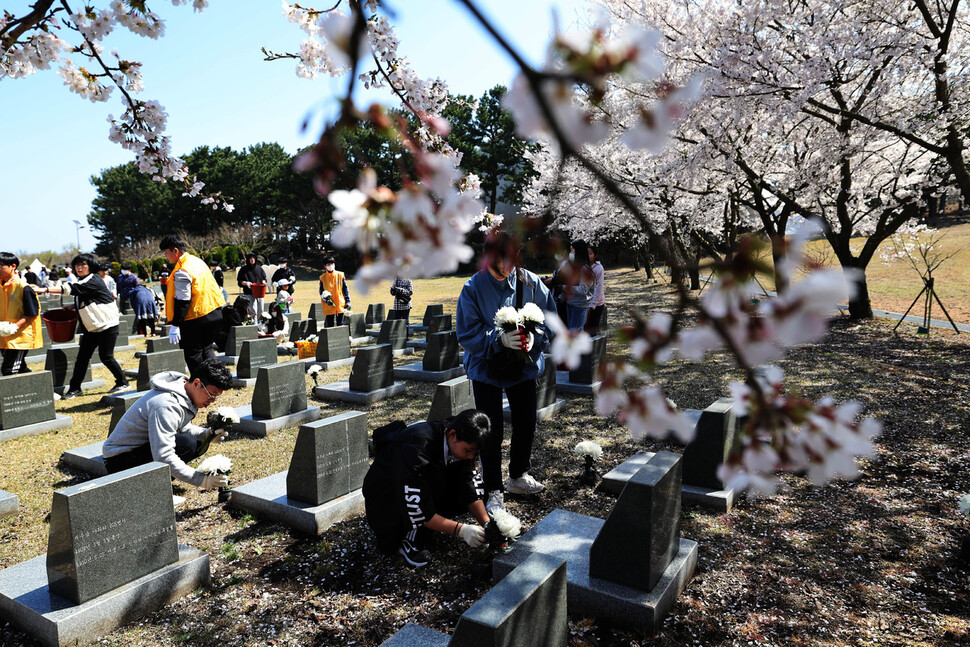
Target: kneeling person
x: 159, y: 426
x: 421, y: 475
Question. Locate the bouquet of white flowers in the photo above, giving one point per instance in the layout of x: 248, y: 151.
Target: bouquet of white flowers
x: 217, y: 464
x: 507, y: 319
x: 502, y: 529
x: 8, y: 328
x: 327, y: 298
x: 314, y: 372
x: 222, y: 418
x: 532, y: 318
x: 590, y: 452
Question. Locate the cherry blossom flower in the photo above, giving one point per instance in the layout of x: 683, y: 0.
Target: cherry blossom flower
x: 567, y: 347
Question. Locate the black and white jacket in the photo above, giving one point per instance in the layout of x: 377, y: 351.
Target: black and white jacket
x: 95, y: 304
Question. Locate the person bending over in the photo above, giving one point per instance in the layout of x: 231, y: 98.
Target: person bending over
x: 158, y: 427
x: 422, y: 475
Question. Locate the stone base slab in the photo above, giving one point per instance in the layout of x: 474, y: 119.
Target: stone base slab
x: 85, y: 386
x: 86, y: 459
x: 262, y: 426
x: 267, y: 497
x: 563, y: 385
x: 111, y: 399
x: 545, y: 413
x: 228, y: 360
x: 416, y: 371
x: 361, y: 340
x: 241, y: 382
x: 340, y: 392
x: 9, y: 503
x: 326, y: 366
x: 26, y: 600
x: 126, y: 347
x: 613, y: 481
x: 36, y: 359
x: 59, y: 422
x: 412, y: 635
x: 567, y: 535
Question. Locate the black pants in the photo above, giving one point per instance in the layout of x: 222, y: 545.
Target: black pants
x: 186, y: 447
x: 330, y: 320
x: 391, y: 524
x: 14, y: 361
x: 593, y: 320
x: 197, y: 338
x: 522, y: 402
x: 400, y: 314
x: 104, y: 341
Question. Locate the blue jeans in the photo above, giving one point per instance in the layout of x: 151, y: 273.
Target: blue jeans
x: 576, y: 317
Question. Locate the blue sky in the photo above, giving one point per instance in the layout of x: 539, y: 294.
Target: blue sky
x: 209, y: 74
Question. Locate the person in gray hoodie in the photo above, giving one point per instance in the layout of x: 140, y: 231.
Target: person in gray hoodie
x: 158, y: 427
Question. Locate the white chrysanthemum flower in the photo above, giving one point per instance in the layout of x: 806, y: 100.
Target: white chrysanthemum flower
x: 530, y: 312
x: 589, y: 448
x: 228, y: 413
x: 314, y: 369
x: 8, y: 328
x: 507, y: 524
x: 217, y: 464
x: 965, y: 504
x: 507, y: 319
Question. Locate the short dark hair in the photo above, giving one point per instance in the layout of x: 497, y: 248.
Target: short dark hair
x: 501, y: 245
x: 283, y: 260
x: 172, y: 241
x: 126, y: 265
x: 88, y: 259
x: 329, y: 259
x: 471, y: 426
x: 212, y: 372
x: 6, y: 258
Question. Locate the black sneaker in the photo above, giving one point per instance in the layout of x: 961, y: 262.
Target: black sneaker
x: 416, y: 557
x: 119, y: 388
x: 72, y: 394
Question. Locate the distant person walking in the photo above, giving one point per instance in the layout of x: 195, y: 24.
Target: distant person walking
x: 252, y: 272
x: 334, y: 293
x: 598, y: 304
x: 126, y: 283
x: 19, y: 306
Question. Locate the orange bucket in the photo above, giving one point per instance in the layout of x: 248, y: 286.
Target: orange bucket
x: 258, y: 289
x: 61, y: 324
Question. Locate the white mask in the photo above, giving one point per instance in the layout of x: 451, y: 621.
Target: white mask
x: 126, y: 272
x: 329, y: 267
x: 572, y: 256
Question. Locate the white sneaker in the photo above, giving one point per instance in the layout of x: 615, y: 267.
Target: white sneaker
x: 496, y: 501
x: 525, y: 484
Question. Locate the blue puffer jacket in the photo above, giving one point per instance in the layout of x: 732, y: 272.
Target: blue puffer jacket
x: 480, y: 298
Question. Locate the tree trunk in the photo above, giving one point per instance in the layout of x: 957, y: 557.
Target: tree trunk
x: 694, y: 272
x: 859, y: 305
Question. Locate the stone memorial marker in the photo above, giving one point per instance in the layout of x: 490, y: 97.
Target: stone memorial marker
x: 122, y: 403
x: 27, y: 405
x: 526, y: 608
x: 298, y: 330
x: 395, y: 333
x: 111, y: 531
x: 126, y: 325
x: 60, y: 362
x: 255, y: 353
x: 589, y: 363
x: 451, y: 398
x: 329, y: 459
x: 358, y: 325
x: 713, y: 439
x: 641, y: 536
x: 432, y: 311
x: 158, y: 344
x: 9, y: 503
x: 123, y: 343
x: 438, y: 323
x: 112, y: 557
x: 375, y: 313
x: 237, y: 335
x: 442, y: 352
x: 372, y: 369
x: 316, y: 312
x: 546, y: 386
x: 151, y: 364
x: 396, y: 314
x: 333, y: 344
x: 280, y: 390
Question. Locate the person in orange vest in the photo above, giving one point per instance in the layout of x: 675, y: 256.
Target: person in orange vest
x: 334, y: 294
x: 20, y: 310
x: 193, y: 303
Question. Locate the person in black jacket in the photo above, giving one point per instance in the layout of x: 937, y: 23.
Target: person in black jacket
x: 252, y: 272
x: 284, y: 272
x: 421, y: 475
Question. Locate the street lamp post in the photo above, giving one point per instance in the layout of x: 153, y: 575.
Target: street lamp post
x: 77, y: 230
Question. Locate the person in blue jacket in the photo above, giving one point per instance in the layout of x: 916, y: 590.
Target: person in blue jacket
x: 503, y: 283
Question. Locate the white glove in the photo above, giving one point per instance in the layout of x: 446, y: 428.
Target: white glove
x: 174, y: 335
x: 472, y: 534
x: 212, y: 481
x: 216, y: 435
x: 512, y: 340
x: 528, y: 341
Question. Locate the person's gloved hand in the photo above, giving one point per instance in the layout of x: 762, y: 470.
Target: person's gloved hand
x: 512, y: 340
x: 216, y: 435
x: 174, y: 334
x: 472, y: 534
x: 212, y: 481
x: 528, y: 340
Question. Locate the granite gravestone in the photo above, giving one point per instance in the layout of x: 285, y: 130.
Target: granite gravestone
x: 589, y: 363
x: 159, y: 344
x: 432, y: 311
x: 316, y: 312
x: 642, y: 534
x: 46, y: 343
x: 60, y: 362
x: 372, y: 369
x: 451, y: 398
x: 126, y: 324
x: 333, y: 344
x: 713, y: 440
x: 237, y: 335
x: 546, y: 386
x: 375, y: 313
x: 111, y: 531
x: 395, y: 333
x: 438, y: 323
x: 280, y: 390
x: 26, y: 399
x: 358, y: 324
x: 442, y: 352
x: 151, y: 364
x: 329, y: 459
x: 122, y: 403
x: 254, y: 354
x: 298, y: 329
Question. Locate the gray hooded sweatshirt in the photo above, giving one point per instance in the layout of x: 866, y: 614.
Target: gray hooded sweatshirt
x: 155, y: 419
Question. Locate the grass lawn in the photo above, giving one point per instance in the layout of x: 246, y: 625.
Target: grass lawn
x: 866, y: 562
